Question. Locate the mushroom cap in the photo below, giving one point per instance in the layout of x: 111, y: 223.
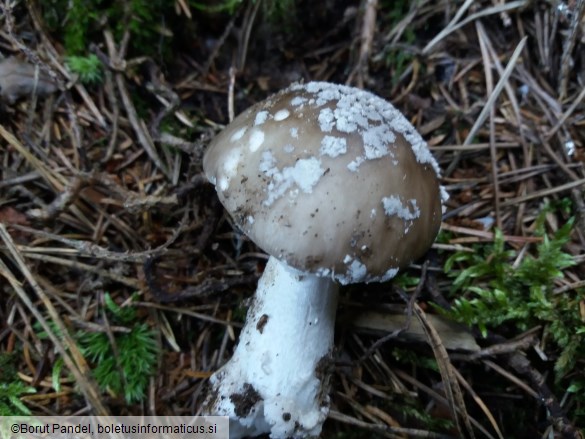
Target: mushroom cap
x: 330, y: 179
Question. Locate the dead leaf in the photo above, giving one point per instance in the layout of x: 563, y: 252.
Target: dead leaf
x: 9, y: 215
x: 453, y: 335
x: 19, y: 79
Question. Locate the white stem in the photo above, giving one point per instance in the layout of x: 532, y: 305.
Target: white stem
x: 276, y: 382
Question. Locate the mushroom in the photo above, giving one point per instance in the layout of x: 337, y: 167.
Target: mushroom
x: 337, y: 187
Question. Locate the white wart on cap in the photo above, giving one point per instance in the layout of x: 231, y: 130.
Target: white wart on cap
x: 329, y: 179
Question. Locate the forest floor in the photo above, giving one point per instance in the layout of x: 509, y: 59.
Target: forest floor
x: 123, y: 281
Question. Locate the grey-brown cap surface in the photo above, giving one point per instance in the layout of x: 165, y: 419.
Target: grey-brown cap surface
x: 330, y: 179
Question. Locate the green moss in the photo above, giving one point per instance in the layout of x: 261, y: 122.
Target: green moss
x: 397, y: 59
x: 88, y: 68
x: 80, y: 22
x: 491, y: 293
x: 124, y: 369
x: 11, y: 388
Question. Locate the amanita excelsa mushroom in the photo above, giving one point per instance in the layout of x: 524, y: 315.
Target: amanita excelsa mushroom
x: 337, y: 187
